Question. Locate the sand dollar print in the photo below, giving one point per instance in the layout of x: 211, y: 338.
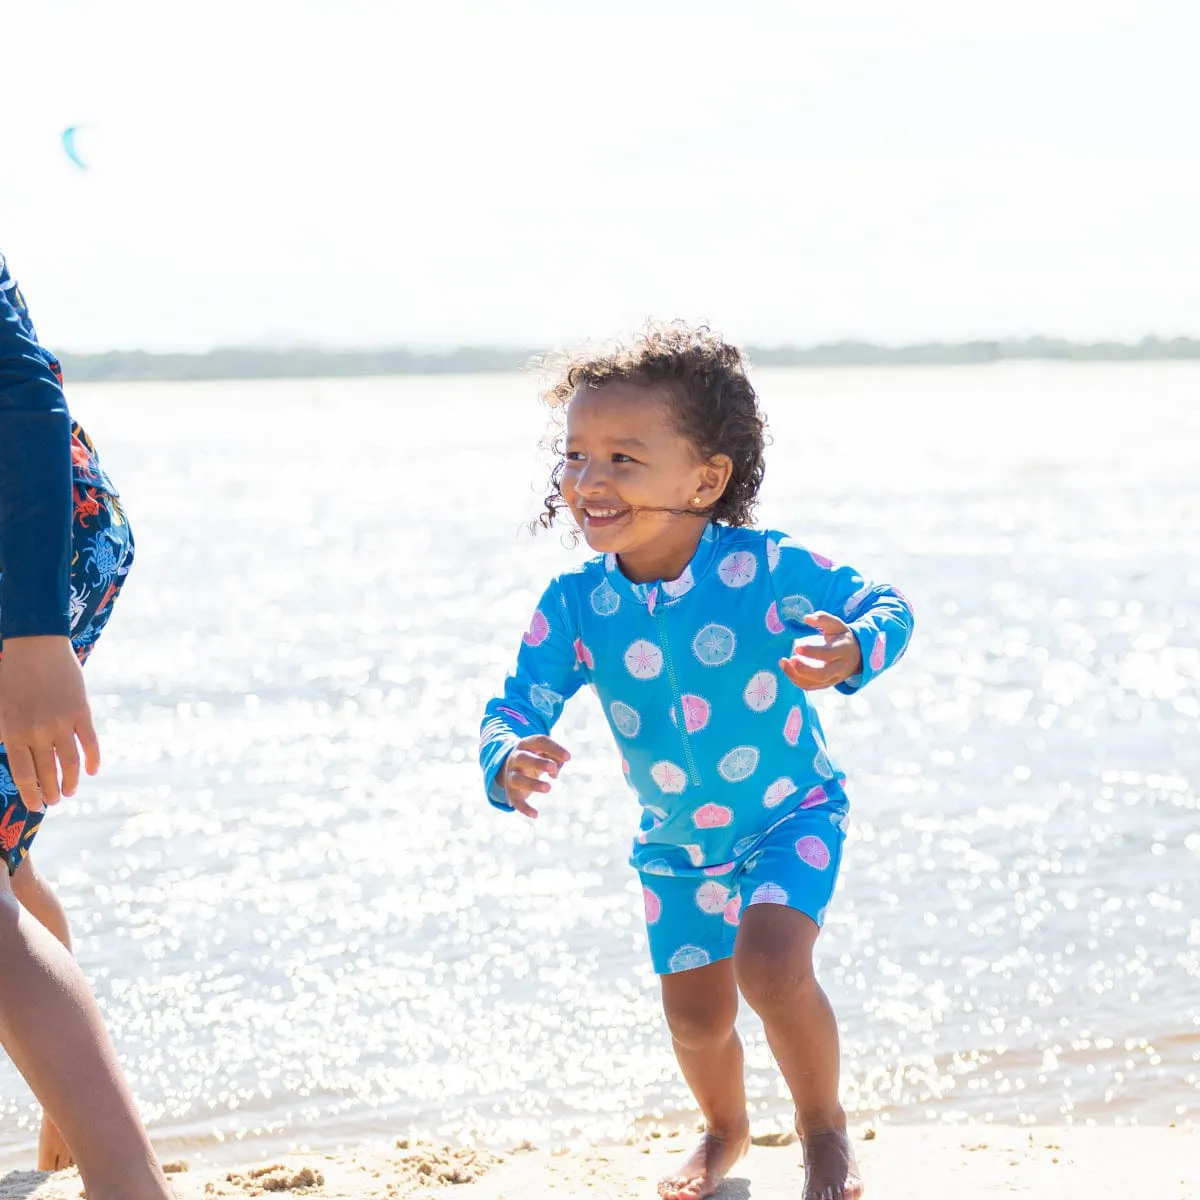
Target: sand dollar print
x: 682, y: 585
x: 695, y: 854
x: 772, y: 554
x: 813, y: 851
x: 653, y: 906
x: 605, y: 600
x: 760, y: 691
x: 544, y: 699
x: 670, y: 778
x: 774, y: 624
x: 714, y: 645
x: 733, y: 911
x: 538, y: 631
x: 795, y: 608
x: 778, y: 792
x: 740, y: 763
x: 583, y: 656
x: 737, y: 569
x: 657, y: 866
x: 769, y: 893
x: 793, y: 725
x: 626, y: 719
x: 711, y: 897
x: 644, y: 660
x: 815, y: 796
x: 696, y: 711
x: 712, y: 816
x: 688, y: 958
x: 879, y: 652
x: 822, y: 765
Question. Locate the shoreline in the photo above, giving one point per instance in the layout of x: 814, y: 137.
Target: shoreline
x: 897, y: 1161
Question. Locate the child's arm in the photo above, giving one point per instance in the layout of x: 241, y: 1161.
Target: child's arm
x: 514, y: 749
x: 865, y: 627
x: 43, y: 704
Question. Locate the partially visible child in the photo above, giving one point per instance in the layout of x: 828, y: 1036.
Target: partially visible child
x: 702, y: 638
x: 65, y: 548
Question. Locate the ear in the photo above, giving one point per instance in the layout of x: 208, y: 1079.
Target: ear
x: 714, y: 479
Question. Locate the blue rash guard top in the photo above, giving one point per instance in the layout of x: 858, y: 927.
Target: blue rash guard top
x: 41, y: 454
x: 716, y: 741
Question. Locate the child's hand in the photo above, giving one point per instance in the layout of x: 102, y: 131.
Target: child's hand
x: 43, y: 710
x: 813, y: 666
x: 528, y: 761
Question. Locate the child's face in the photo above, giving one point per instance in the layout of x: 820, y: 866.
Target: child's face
x: 631, y: 479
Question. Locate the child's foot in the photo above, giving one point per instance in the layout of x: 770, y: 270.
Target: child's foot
x: 830, y: 1172
x: 701, y: 1174
x: 53, y: 1152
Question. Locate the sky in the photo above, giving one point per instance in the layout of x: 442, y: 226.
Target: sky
x: 529, y: 172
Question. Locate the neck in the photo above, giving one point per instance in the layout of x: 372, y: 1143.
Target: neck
x: 667, y: 562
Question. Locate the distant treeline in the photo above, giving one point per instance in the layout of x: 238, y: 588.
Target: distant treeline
x: 309, y: 363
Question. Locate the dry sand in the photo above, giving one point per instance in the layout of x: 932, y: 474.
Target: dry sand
x: 899, y: 1163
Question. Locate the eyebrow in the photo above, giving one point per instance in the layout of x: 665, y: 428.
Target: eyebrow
x: 631, y: 442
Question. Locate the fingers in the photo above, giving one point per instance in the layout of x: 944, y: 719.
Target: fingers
x: 525, y: 770
x: 812, y: 676
x: 547, y: 747
x: 827, y: 623
x: 24, y: 774
x: 68, y: 763
x: 85, y: 731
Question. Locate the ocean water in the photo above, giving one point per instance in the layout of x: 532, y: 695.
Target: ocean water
x: 307, y: 928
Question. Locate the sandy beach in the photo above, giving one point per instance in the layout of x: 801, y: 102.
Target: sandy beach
x: 899, y: 1163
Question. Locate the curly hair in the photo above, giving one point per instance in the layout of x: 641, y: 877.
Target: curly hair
x: 712, y: 403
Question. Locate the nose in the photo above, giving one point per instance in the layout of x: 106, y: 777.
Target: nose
x: 590, y: 478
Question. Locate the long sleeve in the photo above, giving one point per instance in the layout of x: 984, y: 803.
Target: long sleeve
x: 35, y: 479
x: 879, y: 615
x: 547, y: 674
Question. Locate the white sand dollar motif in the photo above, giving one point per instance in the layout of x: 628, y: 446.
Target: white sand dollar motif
x: 696, y: 711
x: 670, y: 778
x: 688, y: 958
x: 850, y: 609
x: 769, y: 893
x: 737, y: 569
x: 681, y: 586
x: 772, y: 554
x: 822, y: 765
x: 795, y: 607
x: 657, y: 866
x: 761, y: 691
x: 627, y: 720
x: 711, y: 897
x: 605, y: 600
x: 695, y: 854
x: 644, y: 660
x: 778, y: 792
x: 714, y: 645
x: 657, y: 815
x: 544, y: 699
x: 746, y: 843
x: 740, y: 763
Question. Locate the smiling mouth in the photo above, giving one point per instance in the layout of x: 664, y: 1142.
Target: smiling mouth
x: 594, y: 516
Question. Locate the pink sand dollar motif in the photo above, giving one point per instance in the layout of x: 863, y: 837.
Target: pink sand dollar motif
x: 669, y: 777
x: 879, y: 652
x: 644, y: 660
x: 822, y: 765
x: 826, y: 564
x: 605, y: 600
x: 682, y: 585
x: 624, y: 765
x: 720, y: 869
x: 583, y: 655
x: 737, y: 569
x: 813, y: 851
x: 714, y: 645
x: 733, y: 911
x: 520, y: 718
x: 712, y: 816
x: 840, y: 821
x: 850, y: 609
x: 793, y: 725
x: 712, y: 897
x: 740, y: 763
x: 774, y: 624
x: 657, y: 815
x: 816, y: 796
x: 772, y: 554
x: 545, y: 700
x: 795, y: 608
x: 778, y: 792
x: 769, y: 893
x: 653, y: 906
x: 760, y: 691
x: 538, y: 631
x: 688, y: 958
x: 695, y: 854
x: 626, y: 719
x: 696, y: 711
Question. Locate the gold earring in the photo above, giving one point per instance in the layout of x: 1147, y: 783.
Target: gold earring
x: 697, y: 500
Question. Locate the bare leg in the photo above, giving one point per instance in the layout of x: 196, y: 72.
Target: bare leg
x: 773, y: 961
x: 51, y: 1028
x: 701, y: 1006
x: 37, y: 897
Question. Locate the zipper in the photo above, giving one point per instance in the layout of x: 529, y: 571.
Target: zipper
x: 681, y: 721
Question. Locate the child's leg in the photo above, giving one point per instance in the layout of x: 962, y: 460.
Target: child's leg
x: 700, y: 1007
x: 51, y: 1028
x: 773, y: 963
x: 38, y: 898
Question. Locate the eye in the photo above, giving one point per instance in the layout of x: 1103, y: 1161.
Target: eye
x: 574, y: 456
x: 622, y: 458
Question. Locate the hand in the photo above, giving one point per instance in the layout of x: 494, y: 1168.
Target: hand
x: 527, y: 762
x: 43, y: 710
x: 812, y: 666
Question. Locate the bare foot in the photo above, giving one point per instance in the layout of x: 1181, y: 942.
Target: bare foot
x: 701, y: 1174
x: 53, y: 1152
x: 830, y: 1172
